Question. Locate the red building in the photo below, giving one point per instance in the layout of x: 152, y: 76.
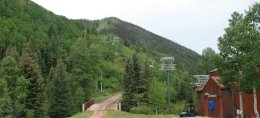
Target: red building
x: 214, y: 100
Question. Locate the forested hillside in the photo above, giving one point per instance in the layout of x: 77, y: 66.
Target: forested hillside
x: 50, y: 65
x: 147, y: 41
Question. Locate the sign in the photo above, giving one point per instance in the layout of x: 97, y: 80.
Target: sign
x: 212, y: 96
x: 211, y: 105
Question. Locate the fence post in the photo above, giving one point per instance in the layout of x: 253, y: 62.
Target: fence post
x: 119, y: 106
x: 83, y: 107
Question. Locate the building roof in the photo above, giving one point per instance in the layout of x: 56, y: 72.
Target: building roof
x: 217, y: 80
x: 215, y: 77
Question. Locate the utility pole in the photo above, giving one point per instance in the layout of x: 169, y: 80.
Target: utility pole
x: 169, y: 94
x: 115, y: 42
x: 167, y: 65
x: 101, y: 86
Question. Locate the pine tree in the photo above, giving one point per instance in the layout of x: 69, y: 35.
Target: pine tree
x: 136, y: 84
x: 78, y: 99
x: 84, y: 60
x: 10, y: 73
x: 127, y: 101
x: 60, y: 93
x: 5, y: 101
x: 137, y: 80
x: 36, y: 93
x: 146, y: 79
x: 21, y: 95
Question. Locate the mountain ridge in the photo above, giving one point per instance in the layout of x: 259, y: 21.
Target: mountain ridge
x: 147, y: 39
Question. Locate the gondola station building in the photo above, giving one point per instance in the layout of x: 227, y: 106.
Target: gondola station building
x: 215, y: 100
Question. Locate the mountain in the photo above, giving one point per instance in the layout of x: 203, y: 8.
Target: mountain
x: 40, y: 51
x: 25, y: 11
x: 148, y: 41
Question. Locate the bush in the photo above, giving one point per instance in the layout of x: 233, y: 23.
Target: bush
x: 141, y: 110
x: 178, y: 107
x: 175, y: 108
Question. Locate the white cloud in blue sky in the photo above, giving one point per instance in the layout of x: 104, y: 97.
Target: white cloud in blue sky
x: 195, y: 24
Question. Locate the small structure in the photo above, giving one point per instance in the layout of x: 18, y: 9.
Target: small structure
x: 215, y: 100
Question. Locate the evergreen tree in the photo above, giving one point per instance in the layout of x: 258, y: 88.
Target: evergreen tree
x: 21, y: 95
x: 84, y: 59
x: 138, y: 81
x: 5, y: 101
x: 136, y: 84
x: 146, y: 78
x: 60, y: 94
x: 36, y: 93
x: 127, y: 100
x: 78, y: 99
x: 10, y: 73
x: 208, y: 61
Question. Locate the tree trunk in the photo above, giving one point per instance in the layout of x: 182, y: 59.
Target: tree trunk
x: 255, y: 103
x: 241, y: 104
x: 156, y: 111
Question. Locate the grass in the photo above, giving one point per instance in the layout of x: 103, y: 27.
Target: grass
x: 85, y: 114
x: 118, y: 114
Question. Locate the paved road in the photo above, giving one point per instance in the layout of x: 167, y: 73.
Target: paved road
x: 100, y: 109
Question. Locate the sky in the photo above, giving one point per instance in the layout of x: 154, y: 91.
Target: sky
x: 195, y: 24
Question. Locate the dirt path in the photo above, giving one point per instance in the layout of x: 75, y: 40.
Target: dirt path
x: 100, y: 109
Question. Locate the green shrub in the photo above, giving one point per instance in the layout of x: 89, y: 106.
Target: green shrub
x: 178, y: 107
x: 141, y: 110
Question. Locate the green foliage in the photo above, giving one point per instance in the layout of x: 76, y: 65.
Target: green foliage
x: 16, y: 92
x: 79, y: 99
x: 146, y: 77
x: 21, y: 95
x: 178, y: 107
x: 36, y: 38
x: 136, y: 76
x: 138, y: 97
x: 85, y: 63
x: 10, y: 73
x: 5, y: 101
x: 60, y: 95
x: 182, y: 85
x: 141, y: 110
x: 239, y: 49
x: 208, y: 61
x: 157, y: 95
x: 127, y: 100
x: 36, y: 93
x: 120, y: 114
x: 142, y: 39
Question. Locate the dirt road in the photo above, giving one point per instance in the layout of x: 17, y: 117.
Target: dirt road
x: 100, y: 109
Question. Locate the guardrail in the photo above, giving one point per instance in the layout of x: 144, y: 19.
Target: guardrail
x: 87, y: 104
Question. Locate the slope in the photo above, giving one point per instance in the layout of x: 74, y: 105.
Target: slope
x: 148, y: 41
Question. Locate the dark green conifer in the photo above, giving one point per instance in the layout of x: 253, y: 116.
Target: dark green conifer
x: 127, y: 101
x: 36, y: 93
x: 60, y: 94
